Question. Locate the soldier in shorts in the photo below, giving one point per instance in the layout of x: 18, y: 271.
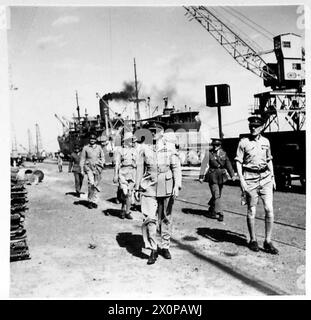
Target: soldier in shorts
x: 255, y: 171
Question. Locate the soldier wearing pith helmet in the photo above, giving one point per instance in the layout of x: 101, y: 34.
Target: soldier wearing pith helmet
x: 255, y: 170
x: 158, y: 181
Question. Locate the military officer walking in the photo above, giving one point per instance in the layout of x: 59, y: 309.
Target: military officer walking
x: 92, y: 162
x: 216, y: 161
x: 255, y: 170
x: 159, y: 181
x: 125, y: 172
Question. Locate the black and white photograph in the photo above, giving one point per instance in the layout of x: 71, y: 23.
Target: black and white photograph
x: 157, y: 151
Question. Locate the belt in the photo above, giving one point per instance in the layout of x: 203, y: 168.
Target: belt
x: 159, y: 170
x: 255, y: 170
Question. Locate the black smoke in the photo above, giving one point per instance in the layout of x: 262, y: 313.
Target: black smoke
x: 127, y: 93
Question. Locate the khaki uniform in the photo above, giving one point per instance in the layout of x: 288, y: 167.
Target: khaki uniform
x: 92, y: 162
x: 254, y: 154
x: 158, y: 171
x: 125, y: 160
x: 76, y: 169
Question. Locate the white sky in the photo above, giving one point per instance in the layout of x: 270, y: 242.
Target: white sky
x: 54, y: 51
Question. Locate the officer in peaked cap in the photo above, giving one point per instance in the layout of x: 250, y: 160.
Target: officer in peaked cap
x: 125, y: 173
x: 217, y: 164
x: 158, y: 181
x: 255, y: 121
x: 255, y: 171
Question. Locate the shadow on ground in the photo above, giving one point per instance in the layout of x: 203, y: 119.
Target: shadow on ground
x: 113, y: 200
x: 133, y: 243
x: 72, y: 194
x: 198, y: 212
x: 84, y: 203
x: 220, y: 235
x: 113, y: 212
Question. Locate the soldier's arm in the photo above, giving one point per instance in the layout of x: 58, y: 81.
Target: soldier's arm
x: 270, y: 165
x: 204, y: 165
x: 239, y: 160
x: 82, y: 158
x: 117, y: 158
x: 176, y: 169
x: 229, y: 166
x: 139, y: 169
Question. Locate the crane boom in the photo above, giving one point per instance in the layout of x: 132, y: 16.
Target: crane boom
x: 241, y: 51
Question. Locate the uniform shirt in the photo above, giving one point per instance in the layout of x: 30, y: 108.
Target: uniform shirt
x: 254, y: 153
x: 92, y: 155
x: 75, y: 161
x: 216, y: 161
x: 158, y: 169
x: 126, y: 157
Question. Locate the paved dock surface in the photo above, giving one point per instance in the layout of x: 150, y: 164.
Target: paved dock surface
x: 81, y: 253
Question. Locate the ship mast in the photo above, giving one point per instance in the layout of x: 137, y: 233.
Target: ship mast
x: 137, y: 100
x: 78, y: 108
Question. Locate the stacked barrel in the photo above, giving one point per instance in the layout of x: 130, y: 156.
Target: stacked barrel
x: 18, y: 244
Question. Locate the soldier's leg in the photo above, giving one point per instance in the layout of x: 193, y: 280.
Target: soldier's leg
x: 149, y: 210
x: 217, y: 194
x: 81, y: 181
x: 251, y: 199
x: 266, y: 193
x: 123, y: 195
x: 211, y: 202
x: 166, y: 221
x: 77, y: 182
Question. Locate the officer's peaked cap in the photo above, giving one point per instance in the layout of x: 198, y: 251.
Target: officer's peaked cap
x: 255, y: 121
x: 216, y: 142
x: 92, y: 135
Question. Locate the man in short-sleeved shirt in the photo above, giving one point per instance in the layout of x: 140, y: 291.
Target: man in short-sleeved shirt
x: 255, y: 170
x: 92, y: 162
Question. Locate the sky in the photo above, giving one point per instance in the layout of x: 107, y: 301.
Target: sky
x: 54, y: 51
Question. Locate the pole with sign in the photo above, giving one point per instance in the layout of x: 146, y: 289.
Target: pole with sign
x: 218, y: 96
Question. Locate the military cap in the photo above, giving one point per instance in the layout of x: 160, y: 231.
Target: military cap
x: 255, y: 121
x: 153, y: 124
x: 92, y: 135
x: 216, y: 142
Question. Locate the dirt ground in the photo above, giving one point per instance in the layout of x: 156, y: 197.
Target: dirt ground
x: 81, y: 253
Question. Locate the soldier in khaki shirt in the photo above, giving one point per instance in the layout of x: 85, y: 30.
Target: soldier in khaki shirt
x: 255, y: 170
x: 125, y: 172
x: 159, y: 181
x: 92, y: 161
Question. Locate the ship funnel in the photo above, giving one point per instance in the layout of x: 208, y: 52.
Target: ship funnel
x: 103, y: 108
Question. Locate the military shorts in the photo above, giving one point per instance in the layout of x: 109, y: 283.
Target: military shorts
x: 259, y: 185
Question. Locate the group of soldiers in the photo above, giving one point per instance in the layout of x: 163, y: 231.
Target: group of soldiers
x: 149, y: 173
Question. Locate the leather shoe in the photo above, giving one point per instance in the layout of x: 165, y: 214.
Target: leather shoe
x: 253, y: 245
x: 166, y: 254
x: 269, y: 248
x: 220, y: 217
x: 153, y: 257
x: 95, y: 206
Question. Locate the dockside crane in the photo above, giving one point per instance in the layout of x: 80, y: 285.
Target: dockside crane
x: 286, y: 77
